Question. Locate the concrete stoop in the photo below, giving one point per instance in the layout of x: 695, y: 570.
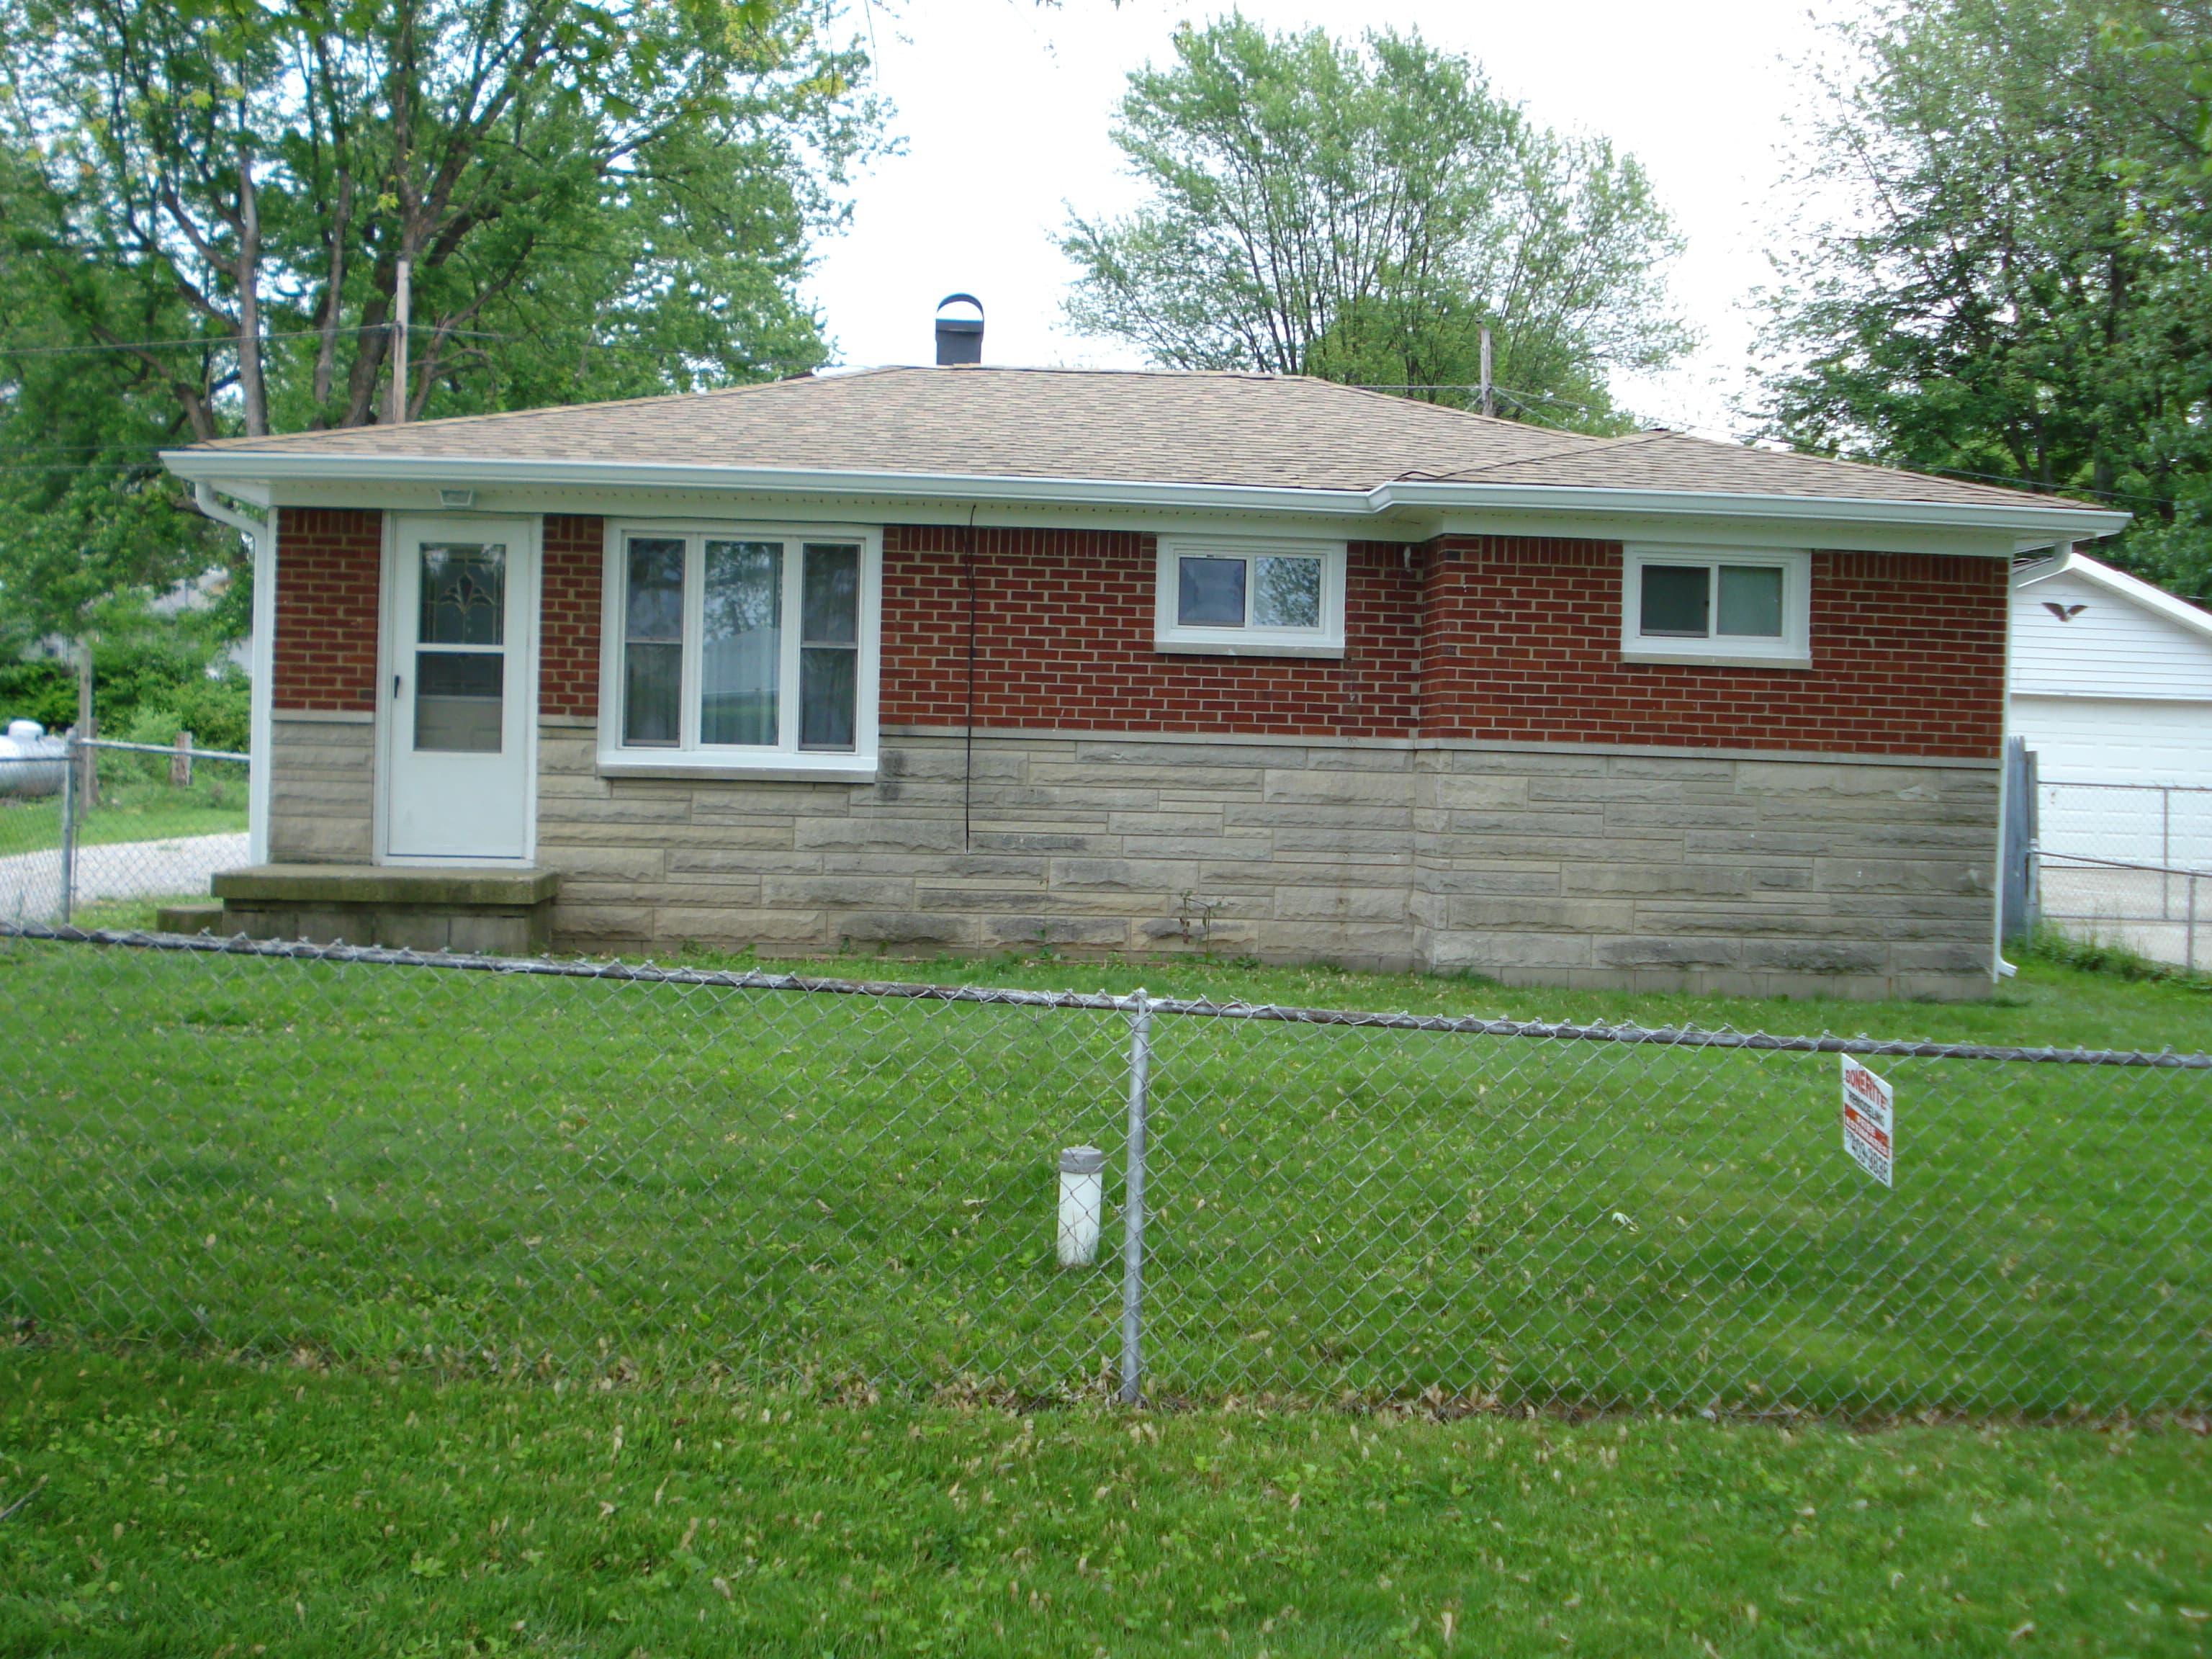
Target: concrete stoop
x: 479, y: 911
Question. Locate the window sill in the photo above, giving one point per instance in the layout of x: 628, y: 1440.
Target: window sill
x: 1791, y: 663
x: 1323, y: 650
x: 780, y: 769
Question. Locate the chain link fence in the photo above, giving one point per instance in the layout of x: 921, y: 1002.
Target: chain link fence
x: 2157, y: 825
x: 570, y: 1169
x: 106, y: 832
x: 2128, y: 864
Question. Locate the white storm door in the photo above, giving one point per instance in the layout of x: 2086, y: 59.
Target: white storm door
x: 461, y: 692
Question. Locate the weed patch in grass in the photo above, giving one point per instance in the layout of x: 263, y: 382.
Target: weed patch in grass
x: 2115, y: 958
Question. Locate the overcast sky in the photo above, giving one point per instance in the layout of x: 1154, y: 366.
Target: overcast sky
x: 1004, y: 107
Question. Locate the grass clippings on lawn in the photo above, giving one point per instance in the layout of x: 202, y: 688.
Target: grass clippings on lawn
x: 183, y: 1508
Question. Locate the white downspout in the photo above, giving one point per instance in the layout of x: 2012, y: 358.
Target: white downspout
x: 262, y: 669
x: 2000, y: 970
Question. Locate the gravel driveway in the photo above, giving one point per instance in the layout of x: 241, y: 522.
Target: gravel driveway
x: 30, y: 882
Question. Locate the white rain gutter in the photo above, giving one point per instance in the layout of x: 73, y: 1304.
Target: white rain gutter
x: 261, y: 690
x: 254, y: 471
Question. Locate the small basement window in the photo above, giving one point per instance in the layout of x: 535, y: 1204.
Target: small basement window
x: 1256, y: 598
x: 1716, y: 606
x: 742, y: 648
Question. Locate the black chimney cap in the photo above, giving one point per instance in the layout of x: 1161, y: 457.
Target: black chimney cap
x: 959, y: 339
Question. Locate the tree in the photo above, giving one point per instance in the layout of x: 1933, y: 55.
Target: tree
x: 2018, y: 285
x: 594, y: 200
x: 1360, y: 213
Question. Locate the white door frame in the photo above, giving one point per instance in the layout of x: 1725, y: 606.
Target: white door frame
x: 400, y: 528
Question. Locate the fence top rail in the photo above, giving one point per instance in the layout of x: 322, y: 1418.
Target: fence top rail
x: 2121, y: 864
x: 2164, y: 788
x: 158, y: 748
x: 1097, y: 1001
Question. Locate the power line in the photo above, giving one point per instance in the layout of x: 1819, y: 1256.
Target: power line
x: 2055, y: 489
x: 220, y: 341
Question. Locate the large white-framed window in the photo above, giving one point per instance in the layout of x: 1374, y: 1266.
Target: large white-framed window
x: 1255, y: 597
x: 1725, y: 606
x: 740, y: 648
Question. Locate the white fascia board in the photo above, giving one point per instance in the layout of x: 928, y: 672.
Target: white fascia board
x: 2032, y: 526
x: 240, y: 472
x: 274, y: 468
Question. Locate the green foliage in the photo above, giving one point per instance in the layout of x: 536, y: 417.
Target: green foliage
x: 594, y: 201
x: 177, y: 1508
x: 1360, y: 213
x: 157, y: 681
x: 43, y: 689
x: 2018, y: 285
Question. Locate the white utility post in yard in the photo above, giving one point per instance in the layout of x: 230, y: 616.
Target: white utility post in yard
x: 402, y: 305
x: 1489, y: 400
x: 1133, y: 1202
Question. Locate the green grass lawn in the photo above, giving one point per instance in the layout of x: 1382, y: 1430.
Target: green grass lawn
x: 133, y: 807
x: 2048, y: 1003
x: 487, y: 1175
x: 175, y: 1507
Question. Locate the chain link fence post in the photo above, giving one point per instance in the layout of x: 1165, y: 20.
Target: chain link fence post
x: 1132, y: 1203
x: 69, y: 831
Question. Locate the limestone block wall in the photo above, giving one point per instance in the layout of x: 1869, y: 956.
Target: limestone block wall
x: 322, y: 780
x: 1766, y: 875
x: 1089, y: 844
x: 1593, y: 868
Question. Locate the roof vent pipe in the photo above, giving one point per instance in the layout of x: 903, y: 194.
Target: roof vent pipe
x: 959, y: 338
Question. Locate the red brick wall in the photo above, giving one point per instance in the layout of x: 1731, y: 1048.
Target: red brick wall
x: 1064, y: 638
x: 1523, y: 637
x: 568, y: 643
x: 1519, y: 637
x: 328, y: 564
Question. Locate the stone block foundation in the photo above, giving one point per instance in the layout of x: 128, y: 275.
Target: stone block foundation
x: 1534, y: 864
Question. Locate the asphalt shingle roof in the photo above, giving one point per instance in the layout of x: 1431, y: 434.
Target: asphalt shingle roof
x: 1185, y: 428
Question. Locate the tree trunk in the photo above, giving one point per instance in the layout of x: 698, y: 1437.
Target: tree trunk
x: 248, y: 276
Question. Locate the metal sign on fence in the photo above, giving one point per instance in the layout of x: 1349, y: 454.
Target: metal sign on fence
x: 1867, y: 1115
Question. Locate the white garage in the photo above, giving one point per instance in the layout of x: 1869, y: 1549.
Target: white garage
x: 2111, y: 690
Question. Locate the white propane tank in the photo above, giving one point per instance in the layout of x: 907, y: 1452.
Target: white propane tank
x: 31, y: 762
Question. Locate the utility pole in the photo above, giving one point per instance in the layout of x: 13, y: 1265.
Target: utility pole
x: 402, y: 300
x: 1489, y: 403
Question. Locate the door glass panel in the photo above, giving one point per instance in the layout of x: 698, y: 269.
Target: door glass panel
x: 1211, y: 593
x: 741, y: 644
x: 1287, y: 593
x: 464, y: 599
x: 458, y: 700
x: 1751, y: 601
x: 1676, y: 600
x: 652, y: 646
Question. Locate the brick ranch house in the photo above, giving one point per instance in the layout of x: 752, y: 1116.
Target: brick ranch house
x: 968, y: 658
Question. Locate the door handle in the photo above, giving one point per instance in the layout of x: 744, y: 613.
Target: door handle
x: 395, y: 688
